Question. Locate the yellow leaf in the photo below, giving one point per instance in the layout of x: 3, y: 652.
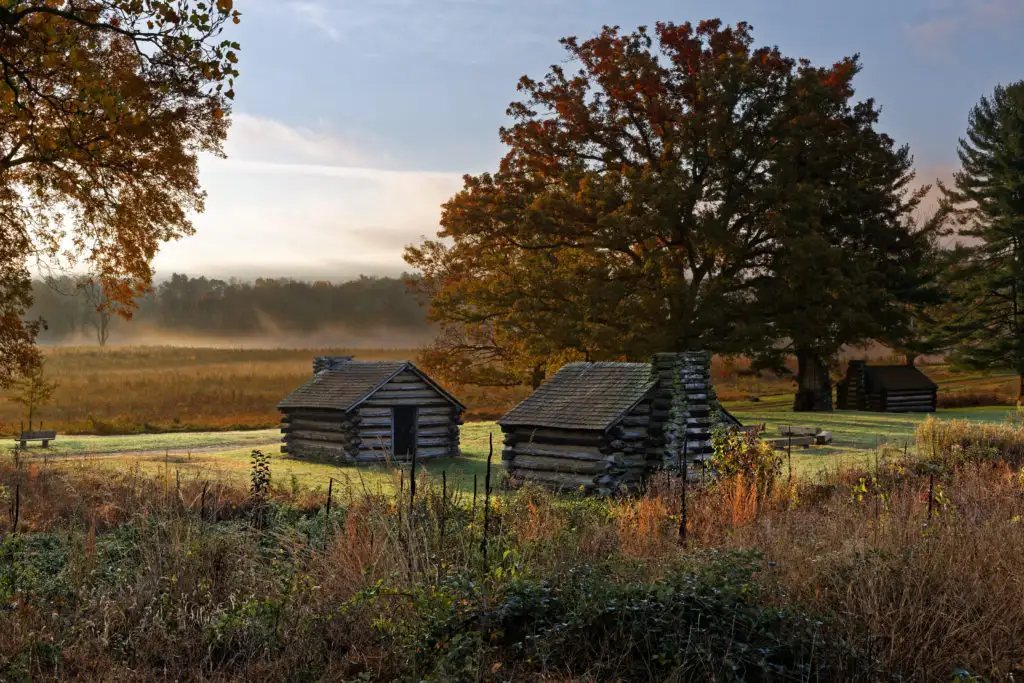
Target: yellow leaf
x: 218, y: 113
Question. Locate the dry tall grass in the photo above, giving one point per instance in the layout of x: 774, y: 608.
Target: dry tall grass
x: 144, y: 584
x: 952, y: 442
x: 154, y: 389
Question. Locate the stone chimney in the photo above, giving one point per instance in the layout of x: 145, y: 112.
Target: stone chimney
x: 683, y: 402
x: 321, y: 363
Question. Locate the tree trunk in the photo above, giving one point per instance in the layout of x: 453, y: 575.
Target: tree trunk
x: 540, y: 370
x: 1020, y: 387
x: 814, y: 386
x: 911, y: 357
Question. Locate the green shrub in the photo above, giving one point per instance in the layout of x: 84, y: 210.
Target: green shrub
x: 705, y: 624
x: 743, y: 454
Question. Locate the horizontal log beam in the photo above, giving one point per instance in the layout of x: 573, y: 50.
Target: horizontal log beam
x: 365, y: 412
x: 326, y: 437
x: 557, y: 451
x: 554, y: 436
x: 380, y: 402
x: 388, y: 393
x: 536, y: 463
x: 562, y: 481
x: 319, y: 425
x: 322, y: 414
x: 407, y: 387
x: 407, y: 376
x: 422, y: 421
x: 304, y: 447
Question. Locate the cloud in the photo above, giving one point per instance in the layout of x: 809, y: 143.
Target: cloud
x: 315, y: 14
x: 935, y: 36
x: 294, y: 200
x: 424, y: 27
x: 254, y: 138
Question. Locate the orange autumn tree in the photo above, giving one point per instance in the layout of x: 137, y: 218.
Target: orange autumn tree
x: 633, y: 205
x: 104, y: 107
x: 648, y: 197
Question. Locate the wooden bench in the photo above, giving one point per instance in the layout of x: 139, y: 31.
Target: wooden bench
x: 45, y: 436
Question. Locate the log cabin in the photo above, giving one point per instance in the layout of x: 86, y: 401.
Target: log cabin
x: 369, y: 411
x: 886, y: 389
x: 604, y: 427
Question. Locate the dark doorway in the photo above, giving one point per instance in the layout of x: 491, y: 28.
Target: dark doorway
x: 403, y: 426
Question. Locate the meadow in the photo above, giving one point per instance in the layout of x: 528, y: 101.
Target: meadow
x: 153, y: 389
x: 149, y: 389
x: 198, y: 413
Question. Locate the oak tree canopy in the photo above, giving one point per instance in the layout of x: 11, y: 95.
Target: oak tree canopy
x: 104, y: 108
x: 680, y: 189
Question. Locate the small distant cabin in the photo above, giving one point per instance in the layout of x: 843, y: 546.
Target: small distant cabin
x: 369, y: 411
x: 886, y: 389
x: 601, y: 427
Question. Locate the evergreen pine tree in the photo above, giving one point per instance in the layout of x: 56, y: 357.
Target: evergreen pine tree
x: 987, y: 201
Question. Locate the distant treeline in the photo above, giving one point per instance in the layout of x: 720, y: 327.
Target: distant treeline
x: 210, y: 307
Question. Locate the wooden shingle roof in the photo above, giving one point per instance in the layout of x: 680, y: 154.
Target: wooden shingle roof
x: 345, y: 386
x: 587, y: 396
x: 898, y: 378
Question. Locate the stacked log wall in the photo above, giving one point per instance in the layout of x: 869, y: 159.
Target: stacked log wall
x: 317, y: 434
x: 906, y: 401
x: 689, y: 431
x: 857, y: 397
x: 591, y: 460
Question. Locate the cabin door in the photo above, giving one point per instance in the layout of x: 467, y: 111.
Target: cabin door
x: 403, y: 431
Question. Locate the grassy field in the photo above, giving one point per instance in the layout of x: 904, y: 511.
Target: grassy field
x: 225, y: 456
x: 152, y: 389
x: 148, y: 389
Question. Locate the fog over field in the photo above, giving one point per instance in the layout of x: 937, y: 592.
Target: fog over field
x: 129, y: 335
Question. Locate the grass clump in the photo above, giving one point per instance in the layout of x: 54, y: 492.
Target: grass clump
x: 956, y: 442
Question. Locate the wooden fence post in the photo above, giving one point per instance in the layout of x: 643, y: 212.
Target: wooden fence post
x: 444, y: 507
x: 789, y: 452
x: 330, y: 496
x: 686, y: 479
x: 202, y: 502
x: 17, y: 508
x: 412, y: 479
x: 487, y: 500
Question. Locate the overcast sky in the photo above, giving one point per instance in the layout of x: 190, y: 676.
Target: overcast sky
x: 355, y: 119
